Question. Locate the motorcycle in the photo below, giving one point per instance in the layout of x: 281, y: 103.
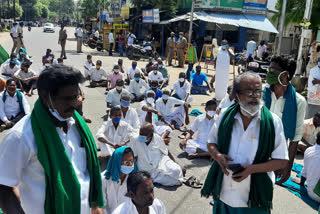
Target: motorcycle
x: 94, y: 43
x: 144, y: 51
x: 241, y: 60
x: 259, y: 65
x: 29, y: 28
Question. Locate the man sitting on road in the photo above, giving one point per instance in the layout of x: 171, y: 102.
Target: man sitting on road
x: 114, y: 95
x: 197, y: 82
x: 46, y: 57
x: 154, y: 86
x: 96, y: 76
x: 128, y: 113
x: 114, y: 76
x: 87, y: 66
x: 113, y: 133
x: 311, y: 170
x: 172, y: 109
x: 13, y: 105
x: 132, y: 70
x: 311, y: 127
x: 164, y: 71
x: 141, y: 196
x: 182, y: 89
x: 153, y: 156
x: 27, y: 79
x: 201, y: 126
x: 227, y: 101
x: 9, y: 70
x: 149, y: 66
x: 155, y: 75
x: 137, y: 88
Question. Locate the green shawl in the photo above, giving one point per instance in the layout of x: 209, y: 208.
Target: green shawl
x: 261, y: 187
x: 62, y: 185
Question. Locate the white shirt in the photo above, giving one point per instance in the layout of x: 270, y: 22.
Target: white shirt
x: 110, y: 37
x: 14, y: 31
x: 168, y: 108
x: 96, y: 75
x: 20, y: 166
x: 138, y: 88
x: 79, y: 32
x: 243, y: 148
x: 314, y: 74
x: 142, y: 114
x: 114, y: 96
x: 158, y: 77
x: 11, y: 107
x: 129, y: 208
x: 225, y: 102
x: 113, y: 135
x: 182, y: 91
x: 132, y: 71
x: 131, y: 38
x: 20, y: 30
x: 149, y: 156
x: 251, y: 47
x: 23, y: 75
x: 89, y: 66
x: 114, y: 193
x: 223, y: 61
x: 277, y: 106
x: 261, y: 50
x: 131, y: 118
x: 311, y: 170
x: 202, y: 126
x: 9, y: 71
x: 96, y: 34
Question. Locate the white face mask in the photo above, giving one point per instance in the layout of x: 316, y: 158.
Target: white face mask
x: 181, y: 79
x: 165, y: 96
x: 119, y: 88
x: 249, y: 112
x: 150, y: 100
x: 116, y: 71
x: 55, y: 113
x: 211, y: 113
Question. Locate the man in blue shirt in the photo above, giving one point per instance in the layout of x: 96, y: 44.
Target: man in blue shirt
x: 198, y: 78
x: 154, y: 87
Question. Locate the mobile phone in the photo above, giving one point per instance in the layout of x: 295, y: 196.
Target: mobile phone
x: 235, y: 168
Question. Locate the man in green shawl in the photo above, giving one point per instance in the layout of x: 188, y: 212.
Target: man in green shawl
x: 247, y: 144
x: 51, y: 155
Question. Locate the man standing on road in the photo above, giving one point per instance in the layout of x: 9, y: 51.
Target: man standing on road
x: 111, y: 41
x: 251, y: 47
x: 313, y: 91
x: 14, y: 36
x: 79, y: 34
x: 171, y: 44
x: 181, y: 46
x: 247, y: 144
x: 20, y: 37
x: 51, y: 154
x: 62, y: 41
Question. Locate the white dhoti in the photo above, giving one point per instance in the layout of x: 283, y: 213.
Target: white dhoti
x: 168, y: 173
x: 222, y: 74
x: 162, y: 129
x: 193, y: 145
x: 177, y: 115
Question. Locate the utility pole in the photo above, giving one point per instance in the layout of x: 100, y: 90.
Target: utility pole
x: 283, y: 15
x: 14, y: 10
x: 191, y: 22
x: 307, y: 15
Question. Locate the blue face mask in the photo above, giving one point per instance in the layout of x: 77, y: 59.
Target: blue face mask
x: 224, y: 47
x: 319, y: 63
x: 125, y: 104
x: 160, y: 66
x: 116, y: 119
x: 142, y: 138
x: 137, y: 79
x: 180, y: 36
x: 126, y: 169
x: 134, y: 66
x: 165, y: 96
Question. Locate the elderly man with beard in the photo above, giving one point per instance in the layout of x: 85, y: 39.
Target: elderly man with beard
x: 247, y: 144
x: 282, y: 99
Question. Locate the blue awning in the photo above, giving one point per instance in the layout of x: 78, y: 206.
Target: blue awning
x: 248, y: 21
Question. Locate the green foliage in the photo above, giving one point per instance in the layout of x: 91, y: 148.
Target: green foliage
x: 164, y: 5
x: 19, y: 10
x: 90, y: 8
x: 295, y: 11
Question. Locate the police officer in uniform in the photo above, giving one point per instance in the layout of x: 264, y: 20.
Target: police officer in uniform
x: 171, y: 44
x: 181, y: 46
x: 62, y: 41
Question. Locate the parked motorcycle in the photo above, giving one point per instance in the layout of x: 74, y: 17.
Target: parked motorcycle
x: 144, y: 51
x: 94, y: 43
x: 241, y: 60
x: 259, y: 65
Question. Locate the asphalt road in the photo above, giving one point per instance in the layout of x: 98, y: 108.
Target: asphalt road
x: 179, y: 200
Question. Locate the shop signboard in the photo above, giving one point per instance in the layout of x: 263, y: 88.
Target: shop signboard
x: 255, y: 4
x: 207, y: 4
x: 232, y: 3
x: 151, y: 16
x: 125, y: 12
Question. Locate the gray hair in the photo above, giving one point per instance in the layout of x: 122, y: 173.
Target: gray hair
x: 125, y: 95
x: 166, y: 90
x: 239, y: 78
x: 150, y: 92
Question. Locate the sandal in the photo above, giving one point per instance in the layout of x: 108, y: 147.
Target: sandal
x: 193, y: 182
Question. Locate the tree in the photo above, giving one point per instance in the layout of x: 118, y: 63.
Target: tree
x: 90, y: 8
x: 18, y: 11
x: 169, y: 6
x: 295, y: 11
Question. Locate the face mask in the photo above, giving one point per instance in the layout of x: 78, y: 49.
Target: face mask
x: 116, y: 71
x: 116, y: 119
x: 180, y: 36
x: 137, y: 79
x: 150, y: 100
x: 155, y: 72
x: 98, y: 67
x: 55, y: 113
x: 142, y: 139
x: 12, y: 89
x: 21, y: 53
x: 126, y: 169
x: 165, y: 97
x: 134, y: 66
x: 125, y: 104
x: 224, y: 47
x: 190, y: 67
x: 160, y: 66
x: 211, y: 113
x: 181, y: 79
x: 319, y: 63
x: 119, y: 88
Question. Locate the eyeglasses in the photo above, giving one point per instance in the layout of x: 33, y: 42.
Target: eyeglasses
x: 251, y: 92
x: 128, y: 162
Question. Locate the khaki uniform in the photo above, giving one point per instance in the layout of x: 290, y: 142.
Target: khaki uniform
x: 181, y: 45
x: 20, y: 43
x: 171, y: 43
x: 62, y: 40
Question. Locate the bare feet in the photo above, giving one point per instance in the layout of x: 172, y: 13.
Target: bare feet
x: 193, y: 156
x: 2, y: 127
x: 87, y: 120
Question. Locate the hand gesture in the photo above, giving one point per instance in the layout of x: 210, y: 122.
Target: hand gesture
x: 223, y: 160
x: 242, y: 175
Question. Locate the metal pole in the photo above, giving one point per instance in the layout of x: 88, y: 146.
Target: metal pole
x: 283, y: 15
x: 307, y: 15
x: 191, y: 22
x: 14, y: 10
